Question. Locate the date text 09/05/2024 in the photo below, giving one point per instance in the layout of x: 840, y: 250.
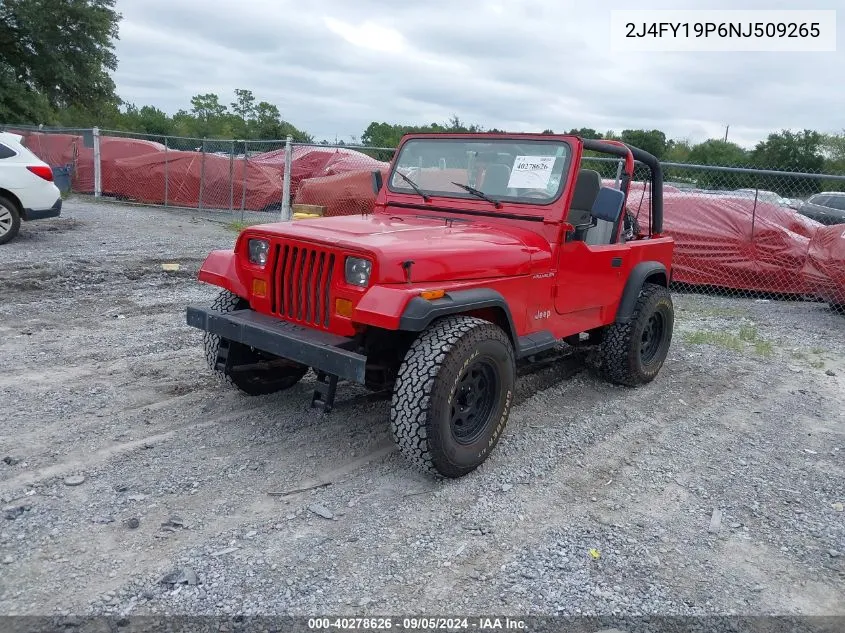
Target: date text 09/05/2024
x: 723, y: 29
x: 416, y: 624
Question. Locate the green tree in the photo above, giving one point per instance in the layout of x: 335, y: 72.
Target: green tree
x: 55, y: 54
x: 718, y: 152
x: 652, y: 141
x: 790, y: 151
x: 388, y: 135
x: 208, y: 113
x: 269, y: 124
x: 679, y: 152
x: 154, y: 121
x: 243, y: 107
x: 787, y: 150
x: 833, y: 150
x: 382, y: 135
x: 585, y: 132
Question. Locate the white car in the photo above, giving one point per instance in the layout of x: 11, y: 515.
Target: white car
x: 27, y: 190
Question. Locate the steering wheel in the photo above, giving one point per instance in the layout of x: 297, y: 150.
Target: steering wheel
x: 539, y: 195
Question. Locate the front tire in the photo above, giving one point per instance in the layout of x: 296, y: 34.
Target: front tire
x: 453, y: 395
x: 266, y: 374
x: 10, y: 220
x: 632, y: 353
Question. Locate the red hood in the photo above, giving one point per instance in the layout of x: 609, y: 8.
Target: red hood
x: 441, y: 250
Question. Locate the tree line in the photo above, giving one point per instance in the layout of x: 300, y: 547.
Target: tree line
x: 806, y: 150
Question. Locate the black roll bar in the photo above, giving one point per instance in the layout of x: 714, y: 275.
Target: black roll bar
x: 646, y: 159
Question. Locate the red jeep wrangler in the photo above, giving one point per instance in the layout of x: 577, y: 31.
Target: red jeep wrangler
x: 482, y: 249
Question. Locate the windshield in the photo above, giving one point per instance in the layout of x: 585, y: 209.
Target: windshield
x: 496, y: 171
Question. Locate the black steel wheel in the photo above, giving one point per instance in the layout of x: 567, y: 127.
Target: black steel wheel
x: 652, y: 337
x: 474, y: 400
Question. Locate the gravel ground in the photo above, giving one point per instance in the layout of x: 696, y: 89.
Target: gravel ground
x: 132, y: 483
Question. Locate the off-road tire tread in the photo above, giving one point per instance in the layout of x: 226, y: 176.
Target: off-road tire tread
x: 16, y: 220
x: 225, y: 302
x: 416, y: 376
x: 612, y: 360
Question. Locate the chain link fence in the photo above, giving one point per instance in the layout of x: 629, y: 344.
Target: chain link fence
x: 738, y: 230
x: 747, y: 232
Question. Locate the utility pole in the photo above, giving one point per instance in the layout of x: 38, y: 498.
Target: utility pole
x: 727, y: 127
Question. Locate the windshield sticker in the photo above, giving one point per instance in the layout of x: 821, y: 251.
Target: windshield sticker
x: 531, y: 172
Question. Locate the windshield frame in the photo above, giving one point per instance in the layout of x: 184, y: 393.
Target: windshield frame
x: 465, y: 196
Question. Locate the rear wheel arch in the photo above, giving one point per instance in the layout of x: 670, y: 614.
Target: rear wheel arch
x: 12, y: 198
x: 643, y: 273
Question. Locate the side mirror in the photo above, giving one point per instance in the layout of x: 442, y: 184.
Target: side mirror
x: 377, y: 182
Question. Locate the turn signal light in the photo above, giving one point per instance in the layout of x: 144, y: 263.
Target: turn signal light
x: 343, y: 307
x: 259, y: 288
x: 431, y: 295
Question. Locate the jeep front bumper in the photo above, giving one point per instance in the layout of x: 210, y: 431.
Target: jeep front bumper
x: 319, y: 350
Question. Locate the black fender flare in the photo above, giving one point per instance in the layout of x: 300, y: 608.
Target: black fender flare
x: 640, y: 274
x: 419, y: 312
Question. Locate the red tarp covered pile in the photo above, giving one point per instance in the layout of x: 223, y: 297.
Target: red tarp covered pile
x: 177, y: 176
x: 723, y: 241
x: 825, y: 266
x: 62, y: 149
x: 138, y: 169
x: 350, y: 193
x: 315, y: 162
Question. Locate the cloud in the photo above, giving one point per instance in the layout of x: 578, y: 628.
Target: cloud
x: 333, y: 66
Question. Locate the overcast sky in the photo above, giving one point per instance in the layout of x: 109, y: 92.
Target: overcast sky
x: 333, y: 66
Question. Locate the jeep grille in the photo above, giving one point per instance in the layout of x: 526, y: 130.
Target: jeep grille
x: 303, y: 278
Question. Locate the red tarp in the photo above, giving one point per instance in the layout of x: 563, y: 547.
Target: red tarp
x: 724, y: 241
x: 224, y: 182
x: 62, y: 149
x: 825, y: 266
x: 343, y: 194
x: 135, y: 169
x: 313, y: 162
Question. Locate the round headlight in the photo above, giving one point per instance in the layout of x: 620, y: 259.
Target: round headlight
x: 258, y: 250
x: 358, y: 271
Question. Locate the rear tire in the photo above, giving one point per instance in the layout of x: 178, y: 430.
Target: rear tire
x: 273, y: 372
x: 632, y: 353
x: 10, y: 220
x: 453, y: 395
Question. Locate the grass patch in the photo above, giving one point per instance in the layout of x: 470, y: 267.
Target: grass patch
x: 763, y: 347
x: 748, y: 334
x: 746, y: 340
x: 236, y: 226
x: 710, y: 311
x: 719, y: 339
